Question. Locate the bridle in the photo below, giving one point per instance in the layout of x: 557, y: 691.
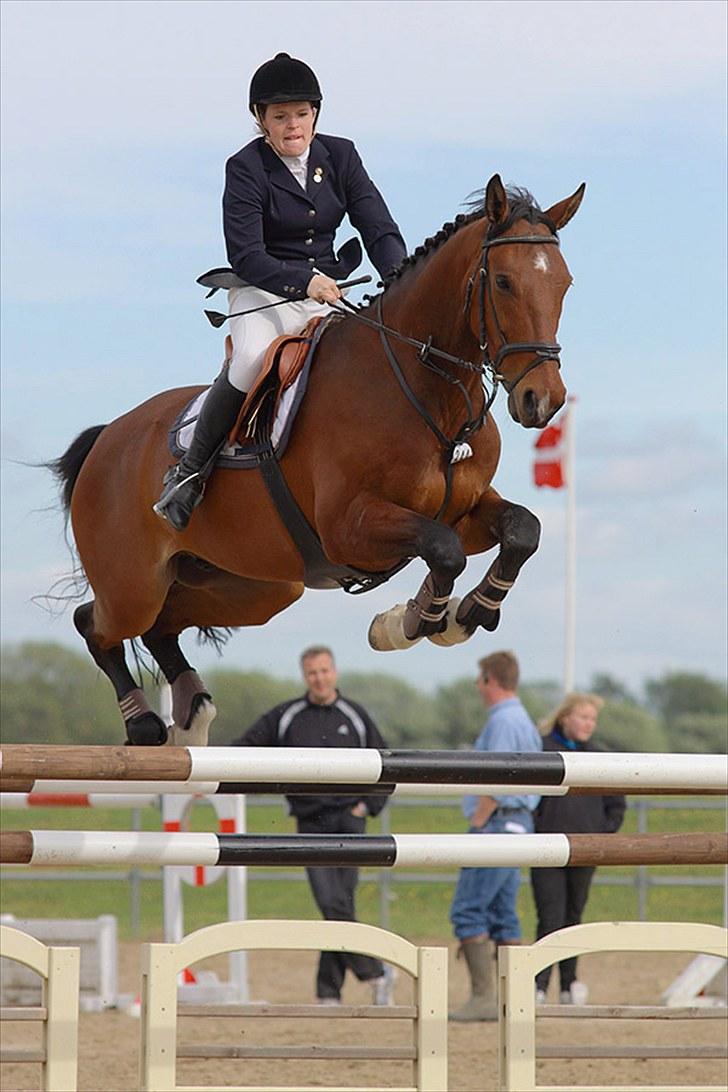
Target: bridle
x: 543, y: 351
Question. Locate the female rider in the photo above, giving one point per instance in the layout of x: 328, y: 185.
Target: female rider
x: 286, y: 193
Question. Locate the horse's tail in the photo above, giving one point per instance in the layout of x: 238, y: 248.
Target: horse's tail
x: 66, y: 468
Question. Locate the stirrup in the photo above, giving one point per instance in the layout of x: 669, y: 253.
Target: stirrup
x: 177, y: 483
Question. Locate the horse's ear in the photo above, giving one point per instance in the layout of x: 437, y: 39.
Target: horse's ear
x: 562, y: 211
x: 496, y: 202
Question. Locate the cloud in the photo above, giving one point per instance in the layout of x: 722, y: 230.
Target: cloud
x: 664, y: 462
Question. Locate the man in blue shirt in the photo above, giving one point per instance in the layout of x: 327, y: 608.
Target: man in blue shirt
x: 484, y: 904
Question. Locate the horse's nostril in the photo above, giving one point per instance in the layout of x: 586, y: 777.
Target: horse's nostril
x: 530, y: 404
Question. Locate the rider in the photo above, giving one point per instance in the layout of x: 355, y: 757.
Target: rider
x: 286, y: 193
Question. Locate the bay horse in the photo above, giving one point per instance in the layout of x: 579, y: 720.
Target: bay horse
x: 391, y: 458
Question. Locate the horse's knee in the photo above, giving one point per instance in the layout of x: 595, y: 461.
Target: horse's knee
x: 443, y: 553
x: 521, y: 533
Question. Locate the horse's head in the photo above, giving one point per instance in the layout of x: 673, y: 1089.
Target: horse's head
x: 516, y: 299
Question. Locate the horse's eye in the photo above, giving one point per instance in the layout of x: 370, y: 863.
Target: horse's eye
x: 502, y: 282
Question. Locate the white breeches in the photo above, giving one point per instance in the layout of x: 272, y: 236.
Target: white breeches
x: 252, y: 334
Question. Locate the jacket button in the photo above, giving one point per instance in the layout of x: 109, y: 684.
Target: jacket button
x: 312, y: 212
x: 309, y: 242
x: 312, y: 260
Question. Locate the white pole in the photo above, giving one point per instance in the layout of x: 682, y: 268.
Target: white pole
x: 570, y: 562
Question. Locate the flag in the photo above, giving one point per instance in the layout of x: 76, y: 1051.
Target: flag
x: 548, y: 468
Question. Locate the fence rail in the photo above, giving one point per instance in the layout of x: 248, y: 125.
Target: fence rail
x: 640, y: 878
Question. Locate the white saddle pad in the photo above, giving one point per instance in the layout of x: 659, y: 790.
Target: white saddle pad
x: 184, y: 436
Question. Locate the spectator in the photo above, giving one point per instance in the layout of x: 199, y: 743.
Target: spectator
x: 323, y: 718
x: 561, y: 893
x: 483, y: 910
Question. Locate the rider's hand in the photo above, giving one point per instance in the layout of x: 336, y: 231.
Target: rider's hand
x: 323, y: 289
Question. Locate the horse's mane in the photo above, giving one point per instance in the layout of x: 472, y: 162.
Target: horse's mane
x: 522, y: 206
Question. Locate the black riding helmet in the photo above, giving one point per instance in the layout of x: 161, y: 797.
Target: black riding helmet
x: 284, y: 79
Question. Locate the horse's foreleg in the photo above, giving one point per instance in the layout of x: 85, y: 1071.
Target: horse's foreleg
x: 376, y: 531
x: 517, y: 531
x: 143, y: 726
x: 192, y: 708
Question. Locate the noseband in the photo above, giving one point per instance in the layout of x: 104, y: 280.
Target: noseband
x: 542, y: 350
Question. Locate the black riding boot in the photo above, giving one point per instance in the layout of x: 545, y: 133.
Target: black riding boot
x: 184, y: 484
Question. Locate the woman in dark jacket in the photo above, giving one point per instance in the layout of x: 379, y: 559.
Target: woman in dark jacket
x: 286, y: 193
x: 561, y: 893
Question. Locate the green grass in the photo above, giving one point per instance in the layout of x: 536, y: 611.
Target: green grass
x: 415, y: 909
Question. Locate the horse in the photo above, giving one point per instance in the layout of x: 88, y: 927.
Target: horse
x: 391, y: 457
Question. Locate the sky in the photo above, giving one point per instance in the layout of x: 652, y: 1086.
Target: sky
x: 117, y: 118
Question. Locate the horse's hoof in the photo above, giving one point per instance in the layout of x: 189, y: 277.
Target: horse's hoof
x: 386, y: 633
x: 204, y: 712
x: 472, y: 615
x: 454, y: 633
x: 148, y: 730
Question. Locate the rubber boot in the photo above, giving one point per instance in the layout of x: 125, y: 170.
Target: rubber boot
x: 483, y: 1001
x: 184, y: 484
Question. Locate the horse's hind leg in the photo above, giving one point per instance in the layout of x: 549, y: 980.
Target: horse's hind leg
x: 206, y: 597
x: 143, y: 726
x: 192, y: 708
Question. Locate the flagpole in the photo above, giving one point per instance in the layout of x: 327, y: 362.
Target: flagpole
x: 570, y: 553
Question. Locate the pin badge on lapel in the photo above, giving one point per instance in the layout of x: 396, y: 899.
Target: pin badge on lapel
x: 318, y: 174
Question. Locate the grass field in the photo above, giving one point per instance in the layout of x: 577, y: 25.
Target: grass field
x: 416, y: 909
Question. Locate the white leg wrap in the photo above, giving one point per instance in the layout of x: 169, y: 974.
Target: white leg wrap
x: 454, y: 633
x: 386, y: 633
x: 197, y: 733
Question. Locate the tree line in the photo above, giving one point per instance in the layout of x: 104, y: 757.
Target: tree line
x: 51, y: 694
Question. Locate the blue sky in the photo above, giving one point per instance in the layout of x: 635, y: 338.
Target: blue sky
x: 117, y: 120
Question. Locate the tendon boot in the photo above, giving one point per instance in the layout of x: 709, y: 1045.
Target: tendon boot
x: 483, y: 1002
x: 184, y: 484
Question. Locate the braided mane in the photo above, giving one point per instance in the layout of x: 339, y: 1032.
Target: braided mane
x: 522, y: 206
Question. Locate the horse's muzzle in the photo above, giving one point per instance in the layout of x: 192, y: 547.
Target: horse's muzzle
x: 534, y: 409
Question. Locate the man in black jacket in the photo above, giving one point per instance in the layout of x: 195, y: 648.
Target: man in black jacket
x: 323, y: 718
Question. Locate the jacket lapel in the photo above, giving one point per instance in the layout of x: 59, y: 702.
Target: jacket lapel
x: 280, y: 175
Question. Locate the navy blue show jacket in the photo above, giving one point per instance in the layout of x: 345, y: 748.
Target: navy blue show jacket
x: 277, y: 233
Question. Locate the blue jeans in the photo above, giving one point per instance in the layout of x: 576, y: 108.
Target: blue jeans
x: 485, y: 898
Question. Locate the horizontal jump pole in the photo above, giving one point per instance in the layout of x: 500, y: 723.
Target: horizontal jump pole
x: 72, y: 798
x: 98, y: 793
x: 688, y: 773
x: 73, y: 847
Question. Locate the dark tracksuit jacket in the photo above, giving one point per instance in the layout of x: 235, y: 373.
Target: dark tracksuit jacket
x: 344, y: 723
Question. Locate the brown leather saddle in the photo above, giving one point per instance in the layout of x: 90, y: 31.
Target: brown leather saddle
x: 283, y: 363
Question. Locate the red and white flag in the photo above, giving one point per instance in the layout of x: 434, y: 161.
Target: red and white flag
x: 548, y: 461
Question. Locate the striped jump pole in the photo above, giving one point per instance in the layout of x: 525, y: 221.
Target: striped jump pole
x: 72, y: 797
x: 23, y: 764
x: 54, y: 847
x: 97, y: 794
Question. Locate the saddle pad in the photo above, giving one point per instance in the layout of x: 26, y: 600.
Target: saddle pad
x: 240, y: 455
